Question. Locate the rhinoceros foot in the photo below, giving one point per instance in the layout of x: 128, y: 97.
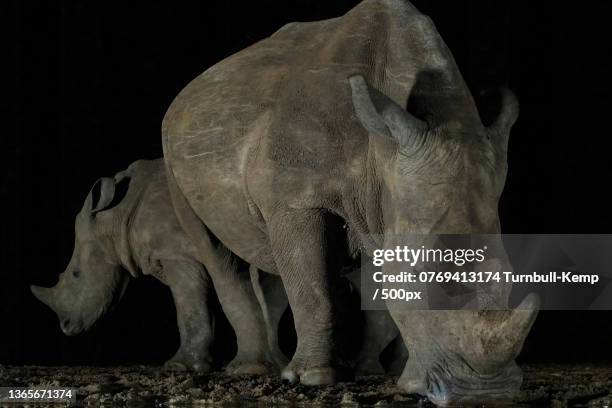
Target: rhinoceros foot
x: 183, y: 362
x: 252, y: 366
x: 315, y: 375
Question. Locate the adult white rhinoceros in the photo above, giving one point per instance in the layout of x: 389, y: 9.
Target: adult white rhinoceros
x: 276, y: 148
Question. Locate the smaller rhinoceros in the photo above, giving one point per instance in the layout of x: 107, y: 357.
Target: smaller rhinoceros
x: 127, y: 227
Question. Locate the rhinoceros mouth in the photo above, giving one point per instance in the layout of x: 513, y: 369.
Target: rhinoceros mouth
x: 71, y: 327
x: 452, y: 385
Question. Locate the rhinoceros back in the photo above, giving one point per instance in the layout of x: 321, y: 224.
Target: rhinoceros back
x: 283, y: 105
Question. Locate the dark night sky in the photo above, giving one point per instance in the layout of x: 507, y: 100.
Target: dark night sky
x: 89, y: 82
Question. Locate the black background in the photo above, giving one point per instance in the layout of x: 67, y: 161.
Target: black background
x: 88, y: 84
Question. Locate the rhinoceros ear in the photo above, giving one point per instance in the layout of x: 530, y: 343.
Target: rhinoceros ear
x: 380, y: 115
x: 508, y: 114
x: 106, y: 193
x: 100, y: 195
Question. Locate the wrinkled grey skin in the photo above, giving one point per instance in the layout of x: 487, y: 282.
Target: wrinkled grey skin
x: 122, y: 237
x: 378, y: 332
x: 274, y: 147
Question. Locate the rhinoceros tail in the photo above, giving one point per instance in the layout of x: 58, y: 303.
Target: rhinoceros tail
x: 195, y: 229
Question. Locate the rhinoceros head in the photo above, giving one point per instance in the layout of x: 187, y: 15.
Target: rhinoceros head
x: 445, y: 175
x: 94, y: 279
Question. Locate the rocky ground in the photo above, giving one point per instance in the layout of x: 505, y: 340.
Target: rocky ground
x: 149, y: 386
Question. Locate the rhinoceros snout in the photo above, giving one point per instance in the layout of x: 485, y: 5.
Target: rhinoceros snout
x: 65, y: 325
x: 70, y: 327
x: 444, y: 386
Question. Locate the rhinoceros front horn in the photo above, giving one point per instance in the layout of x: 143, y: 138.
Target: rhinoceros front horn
x: 503, y: 333
x: 520, y: 321
x: 45, y: 295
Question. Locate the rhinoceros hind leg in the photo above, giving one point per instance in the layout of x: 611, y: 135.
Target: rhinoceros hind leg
x: 378, y: 332
x: 273, y: 301
x: 243, y: 311
x: 369, y: 366
x: 400, y: 356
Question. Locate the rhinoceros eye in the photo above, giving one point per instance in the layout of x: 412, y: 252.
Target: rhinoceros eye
x: 76, y: 273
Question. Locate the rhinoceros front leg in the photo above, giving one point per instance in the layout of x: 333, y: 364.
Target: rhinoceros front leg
x: 299, y: 247
x: 190, y: 284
